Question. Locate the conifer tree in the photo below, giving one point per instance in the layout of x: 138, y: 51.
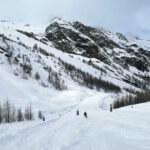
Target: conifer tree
x: 19, y: 115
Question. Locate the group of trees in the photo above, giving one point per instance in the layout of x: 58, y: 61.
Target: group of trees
x: 27, y: 68
x: 88, y: 80
x: 26, y: 65
x: 53, y: 77
x: 41, y: 50
x: 137, y: 82
x: 127, y: 100
x: 55, y: 80
x: 9, y: 113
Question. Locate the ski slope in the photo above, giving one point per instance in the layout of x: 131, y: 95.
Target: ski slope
x: 123, y: 129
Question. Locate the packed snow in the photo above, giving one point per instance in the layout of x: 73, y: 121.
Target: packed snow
x: 127, y: 129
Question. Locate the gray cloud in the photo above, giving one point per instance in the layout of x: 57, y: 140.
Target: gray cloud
x: 117, y: 15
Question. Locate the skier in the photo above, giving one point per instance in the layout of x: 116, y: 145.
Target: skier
x: 43, y: 118
x: 77, y: 112
x: 85, y: 114
x: 111, y: 108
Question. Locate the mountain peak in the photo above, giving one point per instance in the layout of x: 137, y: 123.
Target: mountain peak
x: 59, y: 20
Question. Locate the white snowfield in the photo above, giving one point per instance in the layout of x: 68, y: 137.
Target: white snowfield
x: 123, y: 129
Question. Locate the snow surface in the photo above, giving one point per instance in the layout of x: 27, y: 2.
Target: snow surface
x: 126, y: 129
x: 123, y: 129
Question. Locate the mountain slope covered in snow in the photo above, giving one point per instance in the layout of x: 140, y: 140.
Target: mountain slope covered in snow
x: 66, y: 66
x: 69, y: 57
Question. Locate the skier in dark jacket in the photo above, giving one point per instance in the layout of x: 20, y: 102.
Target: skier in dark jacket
x: 111, y: 108
x: 85, y: 114
x: 77, y: 112
x: 43, y: 118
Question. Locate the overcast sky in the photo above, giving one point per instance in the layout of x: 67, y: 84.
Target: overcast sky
x: 125, y: 16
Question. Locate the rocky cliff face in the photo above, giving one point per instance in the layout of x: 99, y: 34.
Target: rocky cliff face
x: 77, y: 38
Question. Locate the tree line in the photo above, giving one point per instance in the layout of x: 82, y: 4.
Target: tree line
x: 9, y: 113
x: 141, y: 97
x: 88, y: 80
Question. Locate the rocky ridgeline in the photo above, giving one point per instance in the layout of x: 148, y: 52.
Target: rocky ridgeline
x: 78, y: 38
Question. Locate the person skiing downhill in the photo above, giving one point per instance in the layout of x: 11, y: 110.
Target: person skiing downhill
x: 43, y: 118
x: 85, y: 114
x: 77, y: 112
x: 111, y: 108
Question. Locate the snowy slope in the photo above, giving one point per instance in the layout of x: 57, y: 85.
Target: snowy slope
x: 126, y: 129
x: 21, y: 88
x: 116, y: 56
x: 71, y: 52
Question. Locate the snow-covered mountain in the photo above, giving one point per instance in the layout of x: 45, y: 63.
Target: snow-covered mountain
x: 68, y: 66
x: 69, y: 59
